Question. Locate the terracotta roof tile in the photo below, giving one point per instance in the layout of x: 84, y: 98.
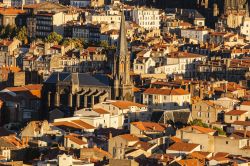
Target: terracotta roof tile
x: 166, y: 91
x: 126, y: 104
x: 143, y: 145
x: 245, y: 103
x: 83, y: 124
x: 182, y: 146
x: 76, y: 140
x: 129, y: 137
x: 203, y: 129
x: 236, y: 112
x: 149, y: 126
x: 242, y: 123
x: 189, y: 162
x: 100, y: 111
x: 11, y: 11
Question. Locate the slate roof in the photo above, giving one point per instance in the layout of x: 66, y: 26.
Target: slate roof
x: 179, y: 118
x: 83, y: 79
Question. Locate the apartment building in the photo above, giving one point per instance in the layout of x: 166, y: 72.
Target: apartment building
x: 245, y: 28
x: 147, y: 18
x: 195, y: 35
x: 166, y: 99
x: 131, y: 111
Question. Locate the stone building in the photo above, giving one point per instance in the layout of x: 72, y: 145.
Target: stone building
x: 76, y: 90
x: 81, y: 90
x: 121, y: 68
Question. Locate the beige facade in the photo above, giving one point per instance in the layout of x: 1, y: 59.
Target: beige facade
x: 166, y: 99
x: 236, y: 115
x: 211, y: 142
x: 192, y: 135
x: 207, y: 111
x: 119, y: 144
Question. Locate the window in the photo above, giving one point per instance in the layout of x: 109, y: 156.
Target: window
x: 231, y: 117
x: 226, y: 142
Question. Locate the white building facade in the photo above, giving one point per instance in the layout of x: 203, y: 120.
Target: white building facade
x: 147, y: 18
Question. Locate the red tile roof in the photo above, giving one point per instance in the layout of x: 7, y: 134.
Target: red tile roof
x: 100, y: 111
x: 126, y: 104
x: 203, y: 129
x: 236, y: 112
x: 76, y: 140
x: 129, y: 137
x: 11, y: 11
x: 149, y: 126
x: 246, y: 103
x: 242, y: 123
x: 166, y: 91
x: 189, y: 162
x: 182, y: 146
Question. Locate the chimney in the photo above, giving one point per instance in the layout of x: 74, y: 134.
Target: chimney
x: 110, y: 135
x: 245, y: 132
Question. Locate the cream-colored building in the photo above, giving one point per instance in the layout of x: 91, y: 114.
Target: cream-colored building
x: 245, y: 28
x: 207, y: 111
x: 143, y: 65
x: 147, y: 18
x: 117, y: 146
x: 211, y: 142
x: 183, y: 63
x: 147, y: 128
x: 235, y: 115
x: 99, y: 118
x: 196, y: 35
x: 104, y: 18
x: 125, y: 110
x: 245, y: 105
x: 166, y: 99
x: 198, y: 135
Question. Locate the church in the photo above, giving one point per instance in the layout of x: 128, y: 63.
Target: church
x: 71, y: 91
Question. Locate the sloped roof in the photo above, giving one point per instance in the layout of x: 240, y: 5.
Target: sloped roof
x: 11, y: 11
x: 129, y: 137
x: 182, y: 146
x: 83, y: 79
x: 246, y: 103
x: 126, y: 104
x: 203, y: 129
x: 158, y: 91
x: 149, y: 126
x: 76, y: 140
x: 100, y: 111
x: 189, y: 162
x: 236, y: 112
x: 77, y: 124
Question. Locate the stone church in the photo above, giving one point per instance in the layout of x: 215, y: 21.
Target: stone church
x: 70, y: 91
x: 121, y: 77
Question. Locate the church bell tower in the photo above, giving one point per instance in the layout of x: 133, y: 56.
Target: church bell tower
x: 123, y: 87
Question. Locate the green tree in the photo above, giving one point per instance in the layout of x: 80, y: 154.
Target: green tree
x: 54, y: 37
x: 104, y: 44
x: 22, y: 34
x: 198, y: 122
x: 220, y: 131
x: 78, y: 43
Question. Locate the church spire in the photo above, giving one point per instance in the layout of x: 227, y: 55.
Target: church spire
x: 122, y: 44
